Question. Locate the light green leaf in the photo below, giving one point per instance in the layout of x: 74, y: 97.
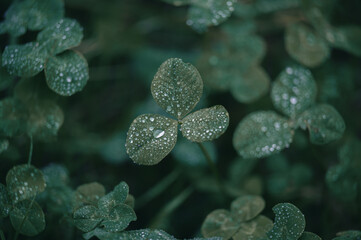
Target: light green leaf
x: 324, y: 123
x: 205, y: 13
x: 219, y: 223
x: 247, y: 207
x: 13, y: 117
x: 289, y: 222
x: 67, y: 73
x: 24, y: 60
x: 56, y: 175
x: 262, y: 134
x: 294, y: 91
x: 150, y: 138
x: 177, y: 87
x: 251, y: 86
x: 87, y: 218
x: 119, y: 218
x: 255, y: 229
x: 89, y: 193
x: 348, y: 38
x: 34, y: 222
x: 305, y: 45
x: 205, y: 124
x: 5, y: 202
x: 24, y: 181
x: 64, y: 34
x: 348, y: 235
x: 153, y: 234
x: 309, y: 236
x: 114, y: 198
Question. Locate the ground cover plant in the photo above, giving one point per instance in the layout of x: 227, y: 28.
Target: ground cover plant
x: 180, y: 119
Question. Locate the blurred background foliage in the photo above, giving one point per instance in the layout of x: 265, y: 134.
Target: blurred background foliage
x: 125, y: 41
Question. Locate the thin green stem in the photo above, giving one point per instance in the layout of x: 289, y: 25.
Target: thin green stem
x: 2, y: 235
x: 30, y: 150
x: 24, y: 219
x: 158, y: 188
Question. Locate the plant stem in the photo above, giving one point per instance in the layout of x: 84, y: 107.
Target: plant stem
x: 157, y: 189
x: 31, y: 149
x: 25, y: 217
x: 2, y: 235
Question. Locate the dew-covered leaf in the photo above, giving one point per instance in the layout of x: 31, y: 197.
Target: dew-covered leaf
x: 67, y: 73
x: 32, y: 14
x: 178, y: 2
x: 152, y: 234
x: 114, y: 198
x: 205, y: 13
x: 348, y: 38
x: 34, y: 222
x: 261, y: 134
x: 323, y: 122
x: 219, y: 223
x: 247, y: 207
x: 150, y: 138
x: 13, y: 116
x: 294, y: 90
x: 24, y: 181
x: 177, y: 87
x: 251, y: 86
x: 309, y: 236
x: 348, y: 235
x: 205, y: 124
x: 289, y: 222
x: 119, y: 218
x: 89, y: 193
x: 55, y: 175
x: 24, y: 60
x: 305, y: 45
x: 86, y: 218
x: 64, y: 34
x: 255, y: 229
x: 5, y: 202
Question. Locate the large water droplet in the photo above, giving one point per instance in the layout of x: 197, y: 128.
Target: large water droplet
x: 158, y: 133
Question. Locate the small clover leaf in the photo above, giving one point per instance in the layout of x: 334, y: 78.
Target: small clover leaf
x: 114, y: 198
x: 177, y: 87
x: 289, y: 222
x: 261, y: 134
x: 255, y: 229
x: 66, y: 73
x: 294, y: 91
x: 24, y: 182
x: 247, y: 207
x: 27, y: 218
x: 87, y: 217
x: 205, y: 124
x: 309, y: 236
x: 323, y: 122
x: 220, y: 223
x: 153, y: 234
x: 119, y: 218
x: 89, y: 194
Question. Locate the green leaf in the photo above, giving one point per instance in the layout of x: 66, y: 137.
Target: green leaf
x: 64, y: 34
x: 289, y: 222
x: 309, y: 236
x: 150, y: 138
x: 152, y: 234
x: 348, y: 38
x: 56, y: 175
x: 255, y: 229
x: 324, y: 123
x: 114, y: 198
x: 24, y: 60
x: 130, y: 201
x: 305, y: 45
x: 177, y: 87
x: 119, y: 218
x: 219, y: 223
x: 205, y: 13
x: 13, y: 117
x: 205, y: 124
x: 340, y: 184
x: 348, y: 235
x: 24, y: 182
x: 247, y: 207
x: 4, y: 144
x: 34, y: 222
x: 89, y: 193
x: 262, y: 134
x: 32, y: 14
x: 86, y: 218
x: 251, y: 86
x: 294, y: 91
x: 67, y: 73
x: 5, y: 202
x: 58, y: 199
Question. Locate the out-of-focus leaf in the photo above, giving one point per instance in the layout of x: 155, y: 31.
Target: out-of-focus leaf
x: 219, y: 223
x: 4, y: 144
x: 5, y: 202
x: 348, y: 235
x: 89, y: 193
x: 13, y: 117
x: 55, y: 175
x: 309, y: 236
x: 255, y: 229
x: 348, y: 38
x: 247, y: 207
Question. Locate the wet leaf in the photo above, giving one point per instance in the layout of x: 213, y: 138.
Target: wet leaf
x: 219, y: 223
x: 114, y: 198
x: 34, y: 222
x: 67, y: 73
x: 5, y: 202
x: 289, y: 222
x: 64, y: 34
x: 24, y: 60
x: 153, y: 234
x: 251, y: 86
x: 205, y: 124
x: 13, y: 117
x: 247, y: 207
x: 323, y: 122
x: 255, y: 229
x: 177, y: 87
x: 203, y: 14
x: 261, y: 134
x: 24, y: 182
x: 309, y: 236
x: 89, y: 193
x: 86, y: 218
x: 119, y: 218
x: 305, y: 45
x: 293, y: 91
x: 150, y: 138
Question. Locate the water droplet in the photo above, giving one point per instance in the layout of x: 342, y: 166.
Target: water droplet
x: 158, y: 133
